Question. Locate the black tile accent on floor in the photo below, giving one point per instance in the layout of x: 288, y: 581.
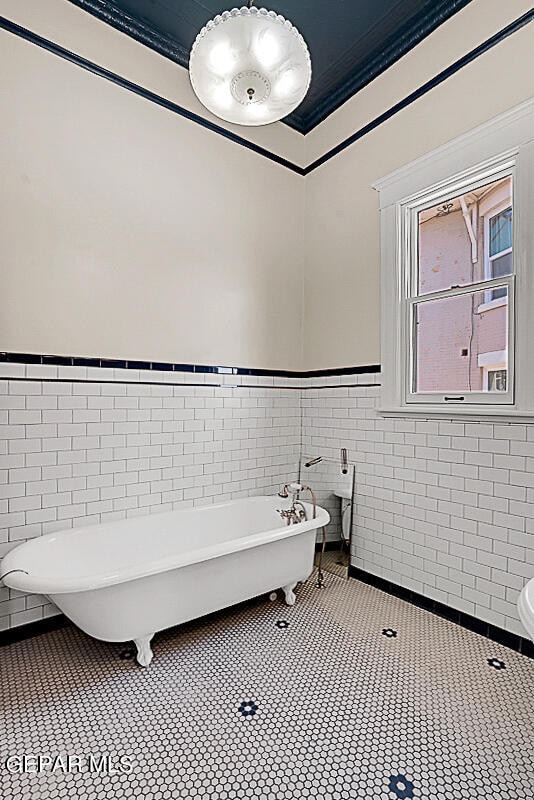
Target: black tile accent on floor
x: 496, y: 634
x: 340, y: 711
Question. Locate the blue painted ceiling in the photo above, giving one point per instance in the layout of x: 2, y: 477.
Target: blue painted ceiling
x: 350, y: 41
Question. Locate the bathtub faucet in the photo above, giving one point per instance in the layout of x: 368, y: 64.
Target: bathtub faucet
x: 290, y: 490
x: 294, y: 514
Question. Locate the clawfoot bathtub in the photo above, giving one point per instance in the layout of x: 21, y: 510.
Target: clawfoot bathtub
x: 126, y: 580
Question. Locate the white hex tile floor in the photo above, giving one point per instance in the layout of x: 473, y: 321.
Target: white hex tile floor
x: 351, y: 693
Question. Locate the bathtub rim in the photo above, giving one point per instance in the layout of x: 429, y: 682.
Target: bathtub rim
x: 40, y: 584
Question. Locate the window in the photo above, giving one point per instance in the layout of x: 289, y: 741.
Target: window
x: 498, y: 247
x: 494, y: 370
x: 497, y: 379
x: 457, y: 276
x: 460, y: 287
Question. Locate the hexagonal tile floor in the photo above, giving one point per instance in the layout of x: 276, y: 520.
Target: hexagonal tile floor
x: 351, y: 693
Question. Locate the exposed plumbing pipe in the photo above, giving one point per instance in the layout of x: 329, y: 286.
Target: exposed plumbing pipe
x: 294, y: 489
x: 471, y: 233
x: 471, y: 225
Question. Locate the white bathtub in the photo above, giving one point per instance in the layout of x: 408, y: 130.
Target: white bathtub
x: 125, y: 580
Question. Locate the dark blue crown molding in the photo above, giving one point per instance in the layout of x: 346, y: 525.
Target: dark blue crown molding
x: 383, y: 58
x: 114, y: 363
x: 79, y: 61
x: 137, y: 29
x: 442, y: 76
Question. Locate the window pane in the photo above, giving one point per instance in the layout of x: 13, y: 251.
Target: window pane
x: 495, y: 294
x: 500, y: 232
x: 501, y: 266
x: 452, y: 250
x: 457, y: 341
x: 497, y: 380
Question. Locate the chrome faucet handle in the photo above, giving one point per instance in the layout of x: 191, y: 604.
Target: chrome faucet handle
x: 290, y: 490
x: 300, y: 511
x: 287, y: 514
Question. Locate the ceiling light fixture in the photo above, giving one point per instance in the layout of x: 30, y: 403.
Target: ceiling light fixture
x: 250, y: 66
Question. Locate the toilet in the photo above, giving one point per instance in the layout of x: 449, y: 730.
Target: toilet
x: 525, y: 604
x: 345, y: 497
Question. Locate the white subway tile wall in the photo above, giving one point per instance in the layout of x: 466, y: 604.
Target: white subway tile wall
x: 444, y: 508
x: 77, y: 453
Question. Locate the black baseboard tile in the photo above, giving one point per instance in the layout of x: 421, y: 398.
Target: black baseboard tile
x: 496, y: 634
x: 492, y: 632
x: 527, y: 648
x: 452, y: 614
x: 474, y: 624
x: 335, y: 545
x: 31, y: 629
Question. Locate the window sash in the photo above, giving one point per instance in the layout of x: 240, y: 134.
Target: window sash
x: 410, y: 337
x: 411, y: 207
x: 468, y: 288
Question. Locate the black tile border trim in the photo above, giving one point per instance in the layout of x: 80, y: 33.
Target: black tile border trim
x: 113, y: 363
x: 329, y: 545
x: 511, y: 640
x: 519, y: 644
x: 90, y: 66
x: 21, y: 632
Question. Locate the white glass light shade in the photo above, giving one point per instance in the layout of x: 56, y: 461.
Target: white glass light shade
x: 250, y: 66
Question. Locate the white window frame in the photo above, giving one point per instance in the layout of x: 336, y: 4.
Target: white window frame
x: 408, y: 266
x: 500, y: 147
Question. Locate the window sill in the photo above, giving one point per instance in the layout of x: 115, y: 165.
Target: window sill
x: 499, y: 302
x: 454, y: 412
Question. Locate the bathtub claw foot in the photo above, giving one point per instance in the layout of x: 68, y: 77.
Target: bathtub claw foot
x: 144, y: 651
x: 289, y: 593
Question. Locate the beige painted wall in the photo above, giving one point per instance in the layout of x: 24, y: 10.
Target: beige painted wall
x: 132, y: 233
x: 129, y: 232
x: 78, y: 31
x: 341, y: 319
